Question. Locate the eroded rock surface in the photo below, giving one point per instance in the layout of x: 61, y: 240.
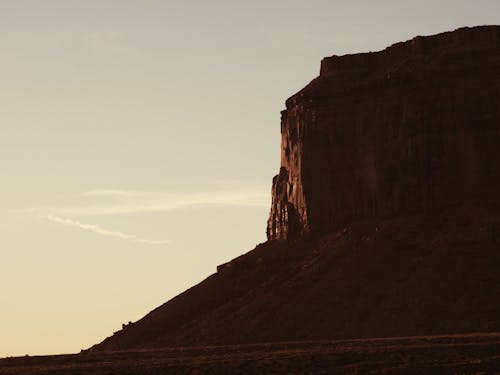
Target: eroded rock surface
x: 411, y: 129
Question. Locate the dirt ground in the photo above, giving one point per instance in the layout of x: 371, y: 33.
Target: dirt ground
x: 471, y: 354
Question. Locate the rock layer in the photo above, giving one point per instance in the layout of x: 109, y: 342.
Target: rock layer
x: 411, y: 129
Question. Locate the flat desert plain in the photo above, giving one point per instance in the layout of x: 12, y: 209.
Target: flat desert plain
x: 470, y: 354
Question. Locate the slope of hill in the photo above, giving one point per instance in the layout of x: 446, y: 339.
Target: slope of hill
x: 411, y: 275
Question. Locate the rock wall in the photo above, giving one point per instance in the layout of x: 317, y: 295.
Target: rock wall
x: 413, y: 128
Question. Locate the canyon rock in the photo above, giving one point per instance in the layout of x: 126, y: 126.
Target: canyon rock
x: 385, y: 218
x: 414, y: 128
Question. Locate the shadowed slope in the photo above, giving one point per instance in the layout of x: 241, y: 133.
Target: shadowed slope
x: 411, y: 275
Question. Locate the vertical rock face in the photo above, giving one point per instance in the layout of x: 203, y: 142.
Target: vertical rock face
x: 413, y: 128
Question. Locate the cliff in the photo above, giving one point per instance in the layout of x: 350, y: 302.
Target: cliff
x: 414, y: 128
x: 389, y: 188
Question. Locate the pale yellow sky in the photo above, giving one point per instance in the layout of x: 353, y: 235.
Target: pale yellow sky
x: 139, y: 140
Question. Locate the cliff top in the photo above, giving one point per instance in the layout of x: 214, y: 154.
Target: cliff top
x: 465, y: 38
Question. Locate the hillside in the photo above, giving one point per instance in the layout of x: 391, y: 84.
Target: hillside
x: 412, y: 275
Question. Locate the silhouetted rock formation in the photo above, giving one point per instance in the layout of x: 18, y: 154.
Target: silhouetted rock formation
x: 389, y: 185
x: 413, y: 128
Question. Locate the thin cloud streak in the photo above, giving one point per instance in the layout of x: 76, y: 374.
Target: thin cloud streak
x: 132, y: 201
x: 101, y: 231
x: 99, y: 202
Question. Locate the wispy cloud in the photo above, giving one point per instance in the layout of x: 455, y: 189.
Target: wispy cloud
x: 99, y: 202
x: 101, y: 231
x: 113, y: 201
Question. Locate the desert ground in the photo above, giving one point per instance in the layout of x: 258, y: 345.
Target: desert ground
x: 470, y: 354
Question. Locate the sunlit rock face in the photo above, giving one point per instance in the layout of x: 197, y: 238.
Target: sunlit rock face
x: 413, y: 128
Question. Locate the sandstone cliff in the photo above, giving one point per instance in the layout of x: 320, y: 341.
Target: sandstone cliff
x: 413, y: 128
x: 392, y: 161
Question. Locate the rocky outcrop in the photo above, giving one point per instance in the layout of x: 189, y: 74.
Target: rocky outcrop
x: 411, y: 129
x: 408, y: 140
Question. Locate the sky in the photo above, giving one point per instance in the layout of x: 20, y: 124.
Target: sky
x: 138, y: 141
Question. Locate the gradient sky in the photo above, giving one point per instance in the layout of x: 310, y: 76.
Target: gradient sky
x: 139, y: 139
